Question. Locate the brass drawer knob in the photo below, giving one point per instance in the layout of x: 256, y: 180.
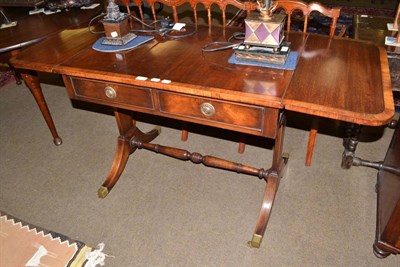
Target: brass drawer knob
x: 110, y: 92
x: 207, y: 109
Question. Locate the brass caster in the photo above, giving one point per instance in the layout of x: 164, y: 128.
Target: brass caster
x: 285, y: 156
x: 158, y: 129
x: 57, y: 141
x: 255, y: 241
x: 102, y: 192
x: 393, y: 124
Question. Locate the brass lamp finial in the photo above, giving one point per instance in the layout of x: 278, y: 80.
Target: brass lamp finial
x: 266, y: 8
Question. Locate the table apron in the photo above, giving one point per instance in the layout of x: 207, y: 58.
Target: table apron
x: 251, y: 119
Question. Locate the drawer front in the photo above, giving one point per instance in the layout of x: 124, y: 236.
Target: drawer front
x: 259, y: 119
x: 112, y: 93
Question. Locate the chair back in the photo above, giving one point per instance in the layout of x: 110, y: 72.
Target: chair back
x: 289, y: 6
x: 246, y: 5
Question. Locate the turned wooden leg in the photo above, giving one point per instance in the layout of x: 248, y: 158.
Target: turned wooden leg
x: 32, y: 82
x: 128, y: 132
x: 350, y: 142
x: 311, y: 141
x: 278, y: 169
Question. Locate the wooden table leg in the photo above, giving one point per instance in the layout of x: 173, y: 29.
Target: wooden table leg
x: 311, y: 141
x: 350, y: 142
x: 32, y: 82
x: 278, y: 169
x: 128, y: 131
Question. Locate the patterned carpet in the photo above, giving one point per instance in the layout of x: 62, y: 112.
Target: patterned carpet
x: 24, y: 244
x: 6, y: 77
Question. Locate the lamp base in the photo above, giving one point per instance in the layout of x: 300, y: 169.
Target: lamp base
x: 264, y: 32
x: 273, y: 55
x: 119, y: 41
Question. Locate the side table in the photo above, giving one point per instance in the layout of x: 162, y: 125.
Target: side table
x: 374, y: 29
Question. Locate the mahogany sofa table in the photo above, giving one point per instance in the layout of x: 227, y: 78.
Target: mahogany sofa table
x: 341, y: 79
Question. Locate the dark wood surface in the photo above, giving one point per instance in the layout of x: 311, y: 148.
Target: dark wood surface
x: 388, y: 206
x: 352, y: 78
x: 31, y: 29
x: 342, y: 79
x: 371, y: 28
x: 374, y: 29
x: 37, y: 26
x: 335, y: 78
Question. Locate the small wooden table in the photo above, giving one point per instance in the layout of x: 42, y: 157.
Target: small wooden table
x: 371, y: 28
x: 341, y: 79
x: 374, y: 29
x: 31, y: 29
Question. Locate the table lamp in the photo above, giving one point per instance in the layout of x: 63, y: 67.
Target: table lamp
x: 263, y: 41
x: 264, y: 28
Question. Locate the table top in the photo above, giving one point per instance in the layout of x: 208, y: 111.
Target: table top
x: 371, y: 28
x: 35, y: 27
x: 335, y: 78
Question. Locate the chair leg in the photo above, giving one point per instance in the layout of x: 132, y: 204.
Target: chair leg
x: 184, y: 135
x: 242, y: 145
x: 311, y: 141
x: 185, y: 132
x: 16, y: 75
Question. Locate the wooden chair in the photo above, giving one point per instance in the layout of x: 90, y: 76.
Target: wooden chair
x: 174, y: 4
x: 222, y: 4
x: 138, y: 3
x: 290, y: 6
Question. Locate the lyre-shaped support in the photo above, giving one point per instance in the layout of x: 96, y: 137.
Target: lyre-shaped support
x: 131, y: 138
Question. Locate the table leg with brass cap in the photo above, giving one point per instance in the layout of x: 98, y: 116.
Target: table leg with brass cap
x: 128, y: 131
x: 265, y: 212
x: 278, y: 169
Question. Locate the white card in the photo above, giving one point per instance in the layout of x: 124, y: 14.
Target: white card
x: 179, y: 26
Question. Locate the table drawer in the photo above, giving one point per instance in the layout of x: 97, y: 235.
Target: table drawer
x: 112, y: 93
x: 259, y: 119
